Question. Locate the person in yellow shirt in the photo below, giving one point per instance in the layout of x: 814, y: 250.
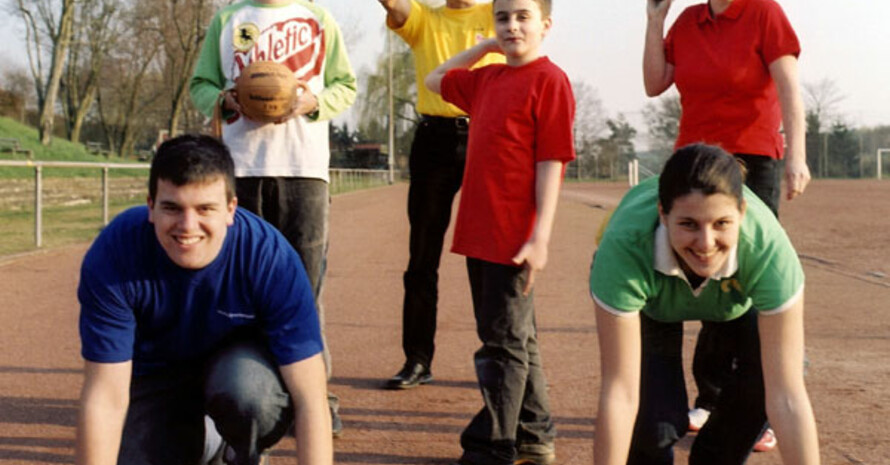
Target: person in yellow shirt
x: 436, y: 163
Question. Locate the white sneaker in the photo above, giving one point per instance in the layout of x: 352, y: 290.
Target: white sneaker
x: 697, y: 418
x: 767, y: 441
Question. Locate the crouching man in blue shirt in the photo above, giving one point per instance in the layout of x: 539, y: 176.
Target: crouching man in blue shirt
x: 190, y: 309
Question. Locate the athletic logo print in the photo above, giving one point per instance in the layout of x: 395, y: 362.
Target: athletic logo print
x: 245, y: 36
x: 297, y: 43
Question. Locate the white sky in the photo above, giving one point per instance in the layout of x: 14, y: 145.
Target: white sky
x: 601, y: 42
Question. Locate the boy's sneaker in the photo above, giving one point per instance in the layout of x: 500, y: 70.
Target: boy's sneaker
x: 336, y: 424
x: 767, y: 441
x: 535, y: 454
x: 697, y: 418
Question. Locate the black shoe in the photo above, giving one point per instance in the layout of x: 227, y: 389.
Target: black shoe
x: 336, y: 424
x: 413, y: 374
x: 535, y: 454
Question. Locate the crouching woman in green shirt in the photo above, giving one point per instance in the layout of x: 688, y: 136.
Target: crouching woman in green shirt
x: 694, y: 244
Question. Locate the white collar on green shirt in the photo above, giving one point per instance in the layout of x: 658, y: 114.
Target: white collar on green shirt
x: 666, y: 262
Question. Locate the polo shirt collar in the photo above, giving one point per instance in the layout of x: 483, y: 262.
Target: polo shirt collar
x: 666, y: 262
x: 733, y: 12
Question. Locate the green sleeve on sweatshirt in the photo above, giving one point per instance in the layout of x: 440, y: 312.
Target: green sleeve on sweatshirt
x: 208, y: 79
x: 339, y: 79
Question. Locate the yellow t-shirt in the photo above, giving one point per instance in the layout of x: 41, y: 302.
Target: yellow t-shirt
x: 437, y: 34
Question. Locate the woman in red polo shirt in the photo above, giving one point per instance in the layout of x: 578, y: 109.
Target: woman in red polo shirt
x: 734, y: 63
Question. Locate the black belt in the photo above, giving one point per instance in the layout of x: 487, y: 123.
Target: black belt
x: 459, y: 122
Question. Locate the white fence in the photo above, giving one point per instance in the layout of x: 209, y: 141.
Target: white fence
x: 342, y: 180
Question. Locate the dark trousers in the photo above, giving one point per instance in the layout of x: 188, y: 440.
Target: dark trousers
x: 437, y: 161
x: 739, y: 416
x: 240, y: 389
x: 508, y: 368
x: 299, y: 209
x: 710, y: 367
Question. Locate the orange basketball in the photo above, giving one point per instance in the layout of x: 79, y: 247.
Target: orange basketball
x: 266, y: 91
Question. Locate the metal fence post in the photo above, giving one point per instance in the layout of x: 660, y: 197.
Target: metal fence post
x: 104, y: 196
x: 38, y: 205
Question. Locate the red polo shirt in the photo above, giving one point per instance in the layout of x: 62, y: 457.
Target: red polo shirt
x: 520, y: 116
x: 721, y: 68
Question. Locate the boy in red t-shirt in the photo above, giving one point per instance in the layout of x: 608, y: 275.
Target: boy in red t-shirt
x: 520, y: 139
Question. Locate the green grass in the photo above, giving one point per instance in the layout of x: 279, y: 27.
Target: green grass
x: 58, y: 150
x: 64, y: 225
x: 61, y: 226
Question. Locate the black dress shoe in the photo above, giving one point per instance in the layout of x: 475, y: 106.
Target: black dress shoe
x: 413, y: 374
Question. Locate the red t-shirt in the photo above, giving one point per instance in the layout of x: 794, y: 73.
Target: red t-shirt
x: 520, y: 116
x: 722, y: 73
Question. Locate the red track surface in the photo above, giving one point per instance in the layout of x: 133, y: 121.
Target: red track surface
x: 840, y: 228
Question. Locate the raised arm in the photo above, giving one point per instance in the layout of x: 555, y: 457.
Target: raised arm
x: 797, y: 175
x: 103, y: 407
x: 533, y: 254
x: 658, y: 74
x: 397, y: 12
x: 464, y: 59
x: 620, y: 358
x: 787, y: 403
x: 306, y: 382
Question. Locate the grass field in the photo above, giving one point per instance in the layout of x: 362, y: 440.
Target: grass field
x: 72, y: 196
x: 62, y: 225
x: 59, y: 150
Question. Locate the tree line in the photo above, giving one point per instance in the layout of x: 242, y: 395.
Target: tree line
x: 109, y: 71
x: 835, y: 148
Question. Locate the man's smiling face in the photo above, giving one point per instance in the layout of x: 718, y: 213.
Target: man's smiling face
x: 191, y: 220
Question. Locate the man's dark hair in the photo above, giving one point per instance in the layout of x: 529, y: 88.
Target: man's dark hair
x: 702, y: 168
x: 189, y: 159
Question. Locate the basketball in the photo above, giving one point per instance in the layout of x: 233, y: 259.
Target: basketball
x: 266, y: 91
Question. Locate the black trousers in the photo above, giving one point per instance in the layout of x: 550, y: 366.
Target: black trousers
x: 710, y: 366
x: 508, y: 367
x: 437, y: 161
x: 739, y: 415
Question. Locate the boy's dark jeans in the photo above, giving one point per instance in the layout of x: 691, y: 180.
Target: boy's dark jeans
x: 299, y: 208
x: 437, y: 161
x: 240, y: 389
x: 740, y: 414
x: 508, y: 367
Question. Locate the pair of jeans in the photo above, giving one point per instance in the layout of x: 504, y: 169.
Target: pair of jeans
x: 508, y: 368
x: 299, y: 208
x: 240, y: 388
x: 739, y: 416
x: 438, y: 154
x: 710, y: 367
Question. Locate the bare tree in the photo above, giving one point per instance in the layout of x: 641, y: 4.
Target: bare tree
x: 590, y: 124
x: 19, y: 84
x: 132, y: 88
x: 821, y: 99
x: 662, y: 119
x: 49, y: 27
x: 372, y: 103
x: 95, y: 33
x: 180, y: 28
